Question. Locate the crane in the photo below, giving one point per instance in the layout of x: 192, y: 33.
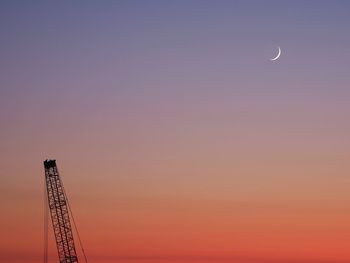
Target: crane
x: 60, y: 216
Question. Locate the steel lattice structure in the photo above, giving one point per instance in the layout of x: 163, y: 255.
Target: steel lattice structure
x: 59, y: 210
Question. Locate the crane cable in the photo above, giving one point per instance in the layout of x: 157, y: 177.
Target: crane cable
x: 75, y: 226
x: 46, y: 223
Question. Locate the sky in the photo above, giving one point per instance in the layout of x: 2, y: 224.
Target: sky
x: 177, y: 139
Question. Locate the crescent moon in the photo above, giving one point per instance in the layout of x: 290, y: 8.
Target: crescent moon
x: 278, y: 55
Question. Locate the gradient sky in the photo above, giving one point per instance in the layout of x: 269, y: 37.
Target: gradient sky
x: 177, y: 139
